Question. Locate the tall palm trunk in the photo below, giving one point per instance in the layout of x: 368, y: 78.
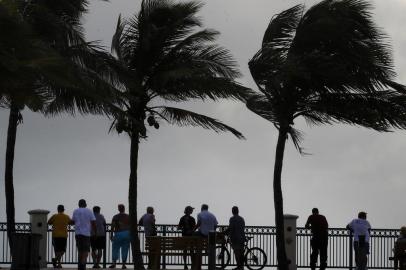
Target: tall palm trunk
x: 8, y: 178
x: 278, y: 201
x: 132, y: 202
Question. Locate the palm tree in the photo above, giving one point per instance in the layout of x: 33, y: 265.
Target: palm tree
x: 329, y: 64
x: 67, y: 75
x: 163, y: 57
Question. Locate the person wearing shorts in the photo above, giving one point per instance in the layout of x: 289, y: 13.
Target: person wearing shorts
x: 84, y: 221
x: 59, y: 222
x: 98, y: 238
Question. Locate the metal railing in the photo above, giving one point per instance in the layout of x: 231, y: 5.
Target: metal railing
x: 339, y: 248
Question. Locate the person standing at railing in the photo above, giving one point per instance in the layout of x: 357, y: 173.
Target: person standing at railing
x: 400, y: 250
x: 84, y: 221
x: 187, y: 223
x: 148, y: 222
x: 59, y: 222
x: 361, y: 229
x: 120, y: 236
x: 98, y: 239
x: 319, y: 242
x: 236, y: 231
x: 206, y: 221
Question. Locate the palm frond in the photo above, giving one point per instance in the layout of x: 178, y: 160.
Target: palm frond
x: 182, y: 117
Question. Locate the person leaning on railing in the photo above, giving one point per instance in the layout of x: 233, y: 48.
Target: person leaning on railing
x: 400, y: 250
x: 60, y: 223
x: 362, y: 231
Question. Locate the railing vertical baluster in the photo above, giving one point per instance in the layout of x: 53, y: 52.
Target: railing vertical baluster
x: 164, y: 256
x: 350, y: 251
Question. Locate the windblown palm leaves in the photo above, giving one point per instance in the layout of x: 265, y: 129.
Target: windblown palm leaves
x: 48, y: 67
x: 329, y: 64
x: 163, y: 57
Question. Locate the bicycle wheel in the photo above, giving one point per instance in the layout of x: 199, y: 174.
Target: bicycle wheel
x: 222, y: 257
x: 255, y: 259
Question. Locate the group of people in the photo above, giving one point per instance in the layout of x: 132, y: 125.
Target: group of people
x: 90, y: 232
x: 207, y: 222
x: 361, y: 230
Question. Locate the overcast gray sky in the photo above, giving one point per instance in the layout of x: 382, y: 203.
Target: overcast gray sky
x: 63, y: 159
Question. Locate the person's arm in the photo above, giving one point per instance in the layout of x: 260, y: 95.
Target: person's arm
x: 180, y: 225
x: 72, y: 221
x: 307, y: 225
x: 141, y: 221
x: 197, y: 224
x: 349, y: 226
x: 113, y: 228
x: 51, y: 220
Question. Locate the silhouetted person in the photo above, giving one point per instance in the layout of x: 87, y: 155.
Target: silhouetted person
x: 187, y: 223
x: 98, y: 239
x: 400, y: 250
x: 59, y: 222
x: 84, y: 221
x: 206, y: 221
x: 319, y: 242
x: 236, y: 231
x: 120, y: 227
x: 361, y: 230
x: 148, y: 222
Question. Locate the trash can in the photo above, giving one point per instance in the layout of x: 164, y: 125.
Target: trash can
x: 25, y: 251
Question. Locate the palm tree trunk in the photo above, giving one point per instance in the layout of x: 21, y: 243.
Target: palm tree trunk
x: 132, y: 203
x: 278, y: 201
x: 8, y: 178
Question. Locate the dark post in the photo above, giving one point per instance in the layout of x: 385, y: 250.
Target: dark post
x: 164, y: 256
x: 350, y: 251
x: 212, y: 250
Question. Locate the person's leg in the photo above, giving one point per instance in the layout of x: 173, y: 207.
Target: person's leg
x: 125, y: 247
x: 357, y: 254
x: 314, y: 243
x: 239, y: 255
x: 323, y: 253
x: 185, y: 253
x: 115, y: 252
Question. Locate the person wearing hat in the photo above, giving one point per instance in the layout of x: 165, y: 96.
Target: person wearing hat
x: 59, y: 222
x: 187, y: 224
x: 361, y: 229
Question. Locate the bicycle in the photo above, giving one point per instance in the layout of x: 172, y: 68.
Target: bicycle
x: 254, y: 258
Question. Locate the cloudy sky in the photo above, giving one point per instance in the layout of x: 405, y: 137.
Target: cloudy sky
x: 62, y: 159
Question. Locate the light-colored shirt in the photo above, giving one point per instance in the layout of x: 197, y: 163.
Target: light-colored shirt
x: 207, y: 221
x: 359, y: 227
x: 60, y: 224
x: 100, y: 225
x: 83, y: 218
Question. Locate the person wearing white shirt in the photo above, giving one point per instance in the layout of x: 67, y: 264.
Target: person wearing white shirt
x: 84, y: 221
x: 206, y: 221
x: 361, y: 229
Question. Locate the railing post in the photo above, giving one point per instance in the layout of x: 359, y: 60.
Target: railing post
x: 290, y: 239
x: 350, y: 251
x: 39, y: 225
x: 164, y: 256
x: 212, y: 250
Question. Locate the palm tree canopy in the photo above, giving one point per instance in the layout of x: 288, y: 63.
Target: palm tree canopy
x: 61, y: 72
x: 328, y: 64
x: 162, y: 55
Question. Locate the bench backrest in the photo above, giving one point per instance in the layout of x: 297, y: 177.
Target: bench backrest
x: 175, y: 243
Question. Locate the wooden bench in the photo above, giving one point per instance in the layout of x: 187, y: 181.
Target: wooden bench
x: 158, y: 246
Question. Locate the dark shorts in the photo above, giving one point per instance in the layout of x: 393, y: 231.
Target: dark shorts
x: 59, y: 244
x: 98, y: 242
x: 83, y: 243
